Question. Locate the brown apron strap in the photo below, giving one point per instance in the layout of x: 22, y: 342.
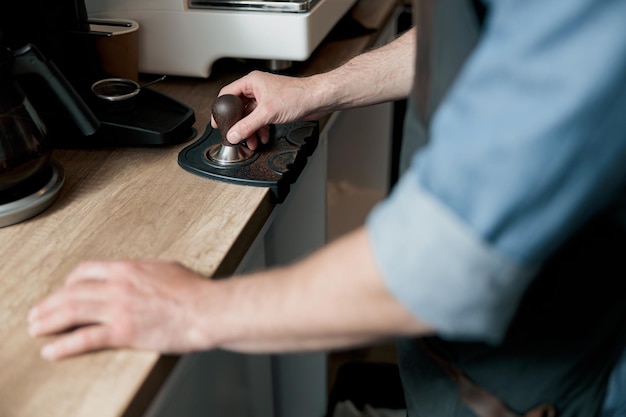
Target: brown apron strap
x: 423, y: 16
x: 482, y: 402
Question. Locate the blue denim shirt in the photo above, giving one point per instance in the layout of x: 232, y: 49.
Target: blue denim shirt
x: 527, y: 144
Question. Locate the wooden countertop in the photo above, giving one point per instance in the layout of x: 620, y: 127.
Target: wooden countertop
x: 130, y: 203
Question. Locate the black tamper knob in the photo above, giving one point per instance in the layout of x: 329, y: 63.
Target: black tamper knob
x: 227, y: 110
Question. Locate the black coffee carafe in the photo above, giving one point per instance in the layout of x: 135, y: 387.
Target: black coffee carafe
x: 25, y: 154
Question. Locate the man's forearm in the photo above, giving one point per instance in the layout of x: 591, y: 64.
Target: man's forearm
x: 332, y: 299
x: 383, y: 74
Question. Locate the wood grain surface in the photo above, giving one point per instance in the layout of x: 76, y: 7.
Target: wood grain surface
x: 129, y: 203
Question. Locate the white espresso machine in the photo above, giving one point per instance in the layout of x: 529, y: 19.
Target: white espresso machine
x: 185, y: 37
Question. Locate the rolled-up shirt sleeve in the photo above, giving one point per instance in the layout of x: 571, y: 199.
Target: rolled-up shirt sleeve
x: 529, y: 142
x: 437, y: 267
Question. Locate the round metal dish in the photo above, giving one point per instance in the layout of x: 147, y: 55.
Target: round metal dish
x: 29, y: 206
x: 115, y: 89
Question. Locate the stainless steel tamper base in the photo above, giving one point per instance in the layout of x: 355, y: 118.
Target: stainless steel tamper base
x: 230, y: 155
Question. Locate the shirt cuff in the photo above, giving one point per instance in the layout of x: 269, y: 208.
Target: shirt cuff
x: 437, y: 267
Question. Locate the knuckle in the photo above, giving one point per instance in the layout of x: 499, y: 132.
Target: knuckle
x: 120, y: 287
x: 123, y: 332
x: 86, y: 339
x: 121, y: 324
x: 124, y: 266
x: 71, y: 312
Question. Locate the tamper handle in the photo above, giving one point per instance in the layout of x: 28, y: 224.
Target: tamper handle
x: 227, y: 110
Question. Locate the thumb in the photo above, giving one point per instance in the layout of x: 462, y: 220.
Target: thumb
x: 245, y: 128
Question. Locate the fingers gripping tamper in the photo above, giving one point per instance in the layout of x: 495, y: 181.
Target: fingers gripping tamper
x: 228, y: 110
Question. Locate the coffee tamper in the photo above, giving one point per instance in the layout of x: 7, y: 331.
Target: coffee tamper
x: 275, y: 165
x: 228, y: 110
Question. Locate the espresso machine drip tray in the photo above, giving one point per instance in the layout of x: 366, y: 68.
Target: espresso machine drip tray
x: 293, y: 6
x: 276, y: 165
